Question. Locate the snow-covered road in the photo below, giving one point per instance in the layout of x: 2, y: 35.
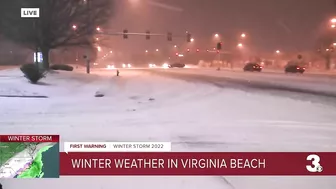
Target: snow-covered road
x: 322, y: 86
x: 194, y: 116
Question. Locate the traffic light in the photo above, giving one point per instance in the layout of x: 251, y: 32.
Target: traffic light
x: 197, y: 50
x: 207, y: 50
x: 176, y: 54
x: 147, y: 35
x: 125, y: 34
x: 170, y: 36
x: 188, y: 50
x: 219, y: 46
x: 188, y: 37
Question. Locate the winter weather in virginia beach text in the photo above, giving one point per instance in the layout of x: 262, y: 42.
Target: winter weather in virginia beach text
x: 179, y: 94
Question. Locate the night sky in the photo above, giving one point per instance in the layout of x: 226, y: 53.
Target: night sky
x: 288, y: 25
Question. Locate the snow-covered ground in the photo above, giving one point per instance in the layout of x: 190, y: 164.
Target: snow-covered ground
x: 193, y: 116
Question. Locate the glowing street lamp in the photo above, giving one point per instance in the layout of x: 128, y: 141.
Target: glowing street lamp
x: 111, y: 52
x: 192, y: 39
x: 99, y: 48
x: 333, y: 20
x: 216, y: 35
x: 175, y: 46
x: 240, y: 45
x: 333, y: 26
x: 157, y: 50
x: 98, y: 29
x: 277, y: 51
x: 74, y: 27
x: 243, y: 35
x: 146, y: 51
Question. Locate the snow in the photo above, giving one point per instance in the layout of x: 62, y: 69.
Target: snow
x: 193, y: 116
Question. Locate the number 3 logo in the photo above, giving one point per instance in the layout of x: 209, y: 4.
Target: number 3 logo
x: 315, y: 164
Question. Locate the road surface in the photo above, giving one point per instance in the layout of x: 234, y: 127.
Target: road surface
x: 302, y: 87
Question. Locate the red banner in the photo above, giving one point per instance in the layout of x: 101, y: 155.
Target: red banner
x: 198, y: 163
x: 29, y: 138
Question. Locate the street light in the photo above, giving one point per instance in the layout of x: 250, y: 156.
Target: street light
x: 99, y: 48
x: 243, y: 35
x: 192, y: 39
x: 277, y: 51
x: 111, y: 52
x: 146, y: 51
x: 157, y: 50
x: 240, y: 45
x: 74, y: 27
x: 333, y: 20
x: 175, y: 46
x: 333, y: 26
x: 216, y: 35
x: 98, y: 29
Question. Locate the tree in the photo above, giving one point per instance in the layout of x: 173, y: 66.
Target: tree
x: 61, y: 23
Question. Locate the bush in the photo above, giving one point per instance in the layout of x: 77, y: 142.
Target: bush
x: 63, y: 67
x: 32, y: 72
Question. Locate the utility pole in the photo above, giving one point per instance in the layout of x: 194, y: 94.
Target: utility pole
x: 87, y: 57
x: 36, y: 43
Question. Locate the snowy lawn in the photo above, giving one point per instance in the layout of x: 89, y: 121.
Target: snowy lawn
x: 195, y: 117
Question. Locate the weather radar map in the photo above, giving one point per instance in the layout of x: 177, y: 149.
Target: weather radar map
x: 29, y: 156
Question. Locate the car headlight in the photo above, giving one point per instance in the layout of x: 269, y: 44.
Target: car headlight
x: 165, y: 65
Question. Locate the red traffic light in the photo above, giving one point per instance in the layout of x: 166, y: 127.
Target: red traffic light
x: 188, y: 50
x: 176, y: 54
x: 197, y: 50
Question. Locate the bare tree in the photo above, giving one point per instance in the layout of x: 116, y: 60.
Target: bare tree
x: 61, y: 23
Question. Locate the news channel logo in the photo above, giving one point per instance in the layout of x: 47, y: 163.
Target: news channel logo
x: 315, y: 166
x: 30, y: 12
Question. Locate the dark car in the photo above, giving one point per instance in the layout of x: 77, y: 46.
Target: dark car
x: 252, y: 67
x: 294, y: 69
x: 176, y: 65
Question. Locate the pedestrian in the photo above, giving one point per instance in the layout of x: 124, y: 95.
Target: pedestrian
x: 0, y: 186
x: 117, y: 75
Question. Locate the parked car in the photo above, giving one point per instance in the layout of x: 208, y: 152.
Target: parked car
x: 176, y: 65
x: 252, y: 67
x: 294, y: 69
